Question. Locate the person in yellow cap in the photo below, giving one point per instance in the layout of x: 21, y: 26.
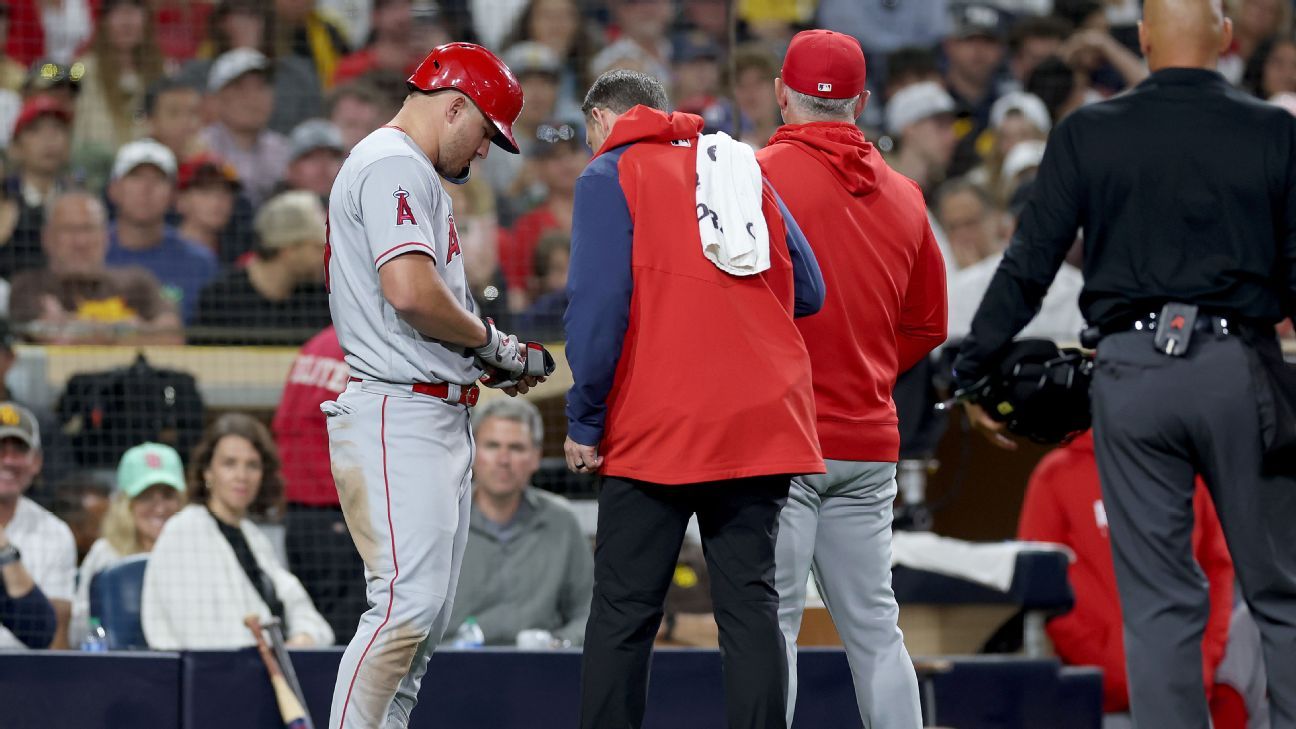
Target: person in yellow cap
x: 150, y: 490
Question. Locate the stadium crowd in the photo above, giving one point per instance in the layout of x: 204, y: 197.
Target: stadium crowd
x: 166, y: 172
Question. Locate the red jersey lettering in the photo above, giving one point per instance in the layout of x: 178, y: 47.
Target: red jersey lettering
x: 403, y: 213
x: 454, y: 242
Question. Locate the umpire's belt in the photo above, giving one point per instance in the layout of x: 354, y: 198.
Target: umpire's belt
x: 448, y: 391
x: 1205, y: 324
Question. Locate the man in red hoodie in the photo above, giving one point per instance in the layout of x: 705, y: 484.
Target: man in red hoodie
x: 1064, y: 505
x: 691, y: 395
x: 884, y: 311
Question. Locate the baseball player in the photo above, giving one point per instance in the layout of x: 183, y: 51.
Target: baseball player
x: 399, y: 435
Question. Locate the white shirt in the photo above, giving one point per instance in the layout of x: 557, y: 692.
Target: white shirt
x: 48, y: 553
x: 388, y: 201
x: 1059, y: 316
x: 196, y: 593
x: 67, y: 25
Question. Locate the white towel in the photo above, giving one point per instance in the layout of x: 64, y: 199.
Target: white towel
x: 988, y: 563
x: 730, y: 221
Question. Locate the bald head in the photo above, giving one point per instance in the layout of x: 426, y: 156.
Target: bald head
x: 1184, y: 33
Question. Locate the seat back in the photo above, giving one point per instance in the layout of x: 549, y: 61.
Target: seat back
x: 115, y: 599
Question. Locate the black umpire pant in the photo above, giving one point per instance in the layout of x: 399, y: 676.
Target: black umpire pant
x: 640, y: 531
x: 1158, y: 421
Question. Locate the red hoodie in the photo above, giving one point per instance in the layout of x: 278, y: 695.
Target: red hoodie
x: 884, y: 275
x: 319, y: 373
x: 1064, y: 506
x: 703, y: 375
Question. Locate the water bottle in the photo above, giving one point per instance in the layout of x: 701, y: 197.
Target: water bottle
x: 97, y: 640
x: 469, y: 635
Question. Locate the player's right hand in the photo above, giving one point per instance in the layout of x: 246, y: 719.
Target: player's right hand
x: 501, y: 351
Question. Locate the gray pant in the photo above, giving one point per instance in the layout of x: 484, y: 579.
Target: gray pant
x: 1158, y: 421
x: 840, y: 523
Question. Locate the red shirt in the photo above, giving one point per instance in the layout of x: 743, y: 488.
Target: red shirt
x: 1064, y: 506
x: 885, y: 306
x: 318, y: 374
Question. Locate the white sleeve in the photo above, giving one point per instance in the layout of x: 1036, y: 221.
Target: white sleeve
x: 54, y: 570
x: 157, y: 603
x: 396, y: 206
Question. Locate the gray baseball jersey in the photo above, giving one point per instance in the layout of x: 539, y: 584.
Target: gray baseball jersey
x: 388, y: 201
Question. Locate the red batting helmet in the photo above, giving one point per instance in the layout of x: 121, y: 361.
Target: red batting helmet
x: 482, y: 77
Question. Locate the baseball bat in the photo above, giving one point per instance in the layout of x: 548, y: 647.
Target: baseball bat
x: 275, y: 628
x: 294, y: 716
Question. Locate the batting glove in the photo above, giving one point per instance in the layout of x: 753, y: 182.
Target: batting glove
x: 501, y: 352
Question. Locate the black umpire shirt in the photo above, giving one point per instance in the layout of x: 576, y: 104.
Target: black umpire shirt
x: 1185, y: 189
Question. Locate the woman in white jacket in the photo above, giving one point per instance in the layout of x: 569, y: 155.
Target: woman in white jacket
x: 150, y: 490
x: 211, y: 567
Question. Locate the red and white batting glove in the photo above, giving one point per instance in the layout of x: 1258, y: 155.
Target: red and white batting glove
x: 501, y: 352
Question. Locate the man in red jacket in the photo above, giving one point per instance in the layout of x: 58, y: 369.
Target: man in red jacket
x: 691, y: 394
x: 884, y: 311
x: 320, y: 550
x: 1064, y: 505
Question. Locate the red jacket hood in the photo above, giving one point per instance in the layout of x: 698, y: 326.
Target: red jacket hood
x: 841, y: 148
x: 1083, y: 442
x: 645, y: 124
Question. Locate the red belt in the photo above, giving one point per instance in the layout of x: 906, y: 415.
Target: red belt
x: 441, y: 390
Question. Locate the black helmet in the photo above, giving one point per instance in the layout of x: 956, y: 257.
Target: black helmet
x: 1039, y: 391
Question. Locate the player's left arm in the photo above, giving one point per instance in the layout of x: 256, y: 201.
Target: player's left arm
x: 924, y: 315
x: 599, y: 287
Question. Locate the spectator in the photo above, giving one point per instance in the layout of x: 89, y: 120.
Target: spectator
x: 25, y: 612
x: 123, y: 61
x: 974, y: 52
x: 1271, y: 69
x: 356, y: 109
x: 279, y: 297
x: 150, y: 490
x: 753, y: 67
x: 975, y: 228
x: 1064, y: 505
x: 527, y: 565
x: 543, y: 318
x: 81, y: 501
x: 1016, y: 117
x: 921, y: 119
x: 302, y: 30
x: 559, y: 157
x: 882, y: 28
x: 907, y: 67
x: 1062, y: 88
x: 320, y: 550
x: 39, y: 153
x: 513, y: 177
x: 315, y: 159
x: 1254, y: 21
x: 245, y: 24
x: 208, y: 192
x: 401, y: 37
x: 240, y: 85
x: 42, y: 544
x: 142, y: 188
x: 181, y: 26
x: 1107, y: 66
x: 558, y: 24
x: 211, y: 566
x: 1031, y: 40
x: 967, y: 214
x: 61, y: 81
x: 173, y: 116
x: 710, y: 17
x: 643, y: 24
x: 55, y: 30
x: 696, y: 71
x: 56, y: 457
x: 77, y: 298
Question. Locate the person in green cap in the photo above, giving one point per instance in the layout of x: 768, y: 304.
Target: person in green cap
x: 150, y: 490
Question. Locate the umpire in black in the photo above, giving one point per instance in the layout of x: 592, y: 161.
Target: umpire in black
x: 1186, y: 192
